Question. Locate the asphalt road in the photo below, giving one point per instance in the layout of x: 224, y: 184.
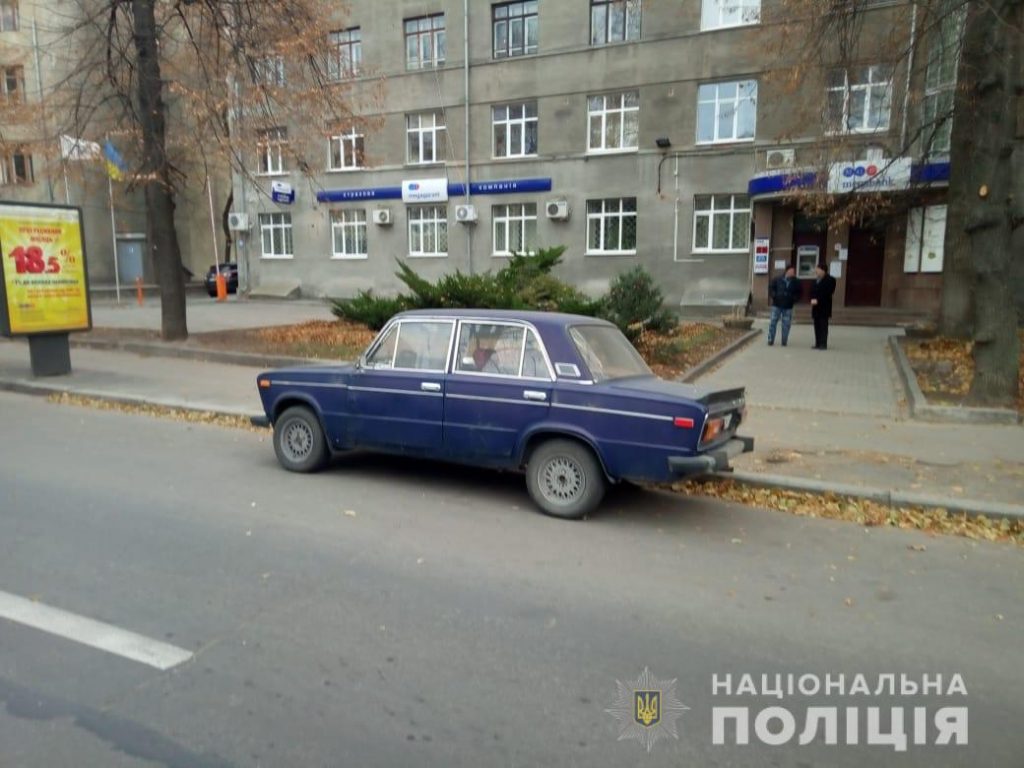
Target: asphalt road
x: 390, y: 613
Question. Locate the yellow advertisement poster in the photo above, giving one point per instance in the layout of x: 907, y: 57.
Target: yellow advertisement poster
x: 43, y: 266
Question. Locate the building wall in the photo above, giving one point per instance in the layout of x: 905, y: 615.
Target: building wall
x: 666, y: 67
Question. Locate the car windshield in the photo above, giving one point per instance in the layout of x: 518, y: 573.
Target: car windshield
x: 607, y: 353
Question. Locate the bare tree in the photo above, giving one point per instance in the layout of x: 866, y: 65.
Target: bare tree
x: 955, y: 68
x: 189, y: 86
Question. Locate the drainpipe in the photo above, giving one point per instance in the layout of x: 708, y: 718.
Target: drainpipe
x: 910, y: 69
x: 675, y: 218
x: 42, y: 106
x: 465, y: 95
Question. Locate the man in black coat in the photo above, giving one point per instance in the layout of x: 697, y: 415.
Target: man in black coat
x: 821, y: 305
x: 783, y: 292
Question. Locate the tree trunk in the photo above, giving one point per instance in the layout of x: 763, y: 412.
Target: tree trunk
x: 224, y: 216
x: 984, y: 162
x: 155, y: 169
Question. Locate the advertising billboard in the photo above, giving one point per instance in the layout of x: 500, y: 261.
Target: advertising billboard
x: 42, y: 262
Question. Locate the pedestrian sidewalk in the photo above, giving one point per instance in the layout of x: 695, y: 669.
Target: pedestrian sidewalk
x: 821, y: 420
x: 837, y: 417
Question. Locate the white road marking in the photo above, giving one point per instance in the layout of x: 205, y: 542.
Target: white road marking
x: 95, y: 634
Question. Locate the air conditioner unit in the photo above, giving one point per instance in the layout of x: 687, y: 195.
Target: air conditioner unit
x: 465, y: 213
x: 238, y: 222
x: 558, y: 210
x: 780, y: 158
x: 382, y: 217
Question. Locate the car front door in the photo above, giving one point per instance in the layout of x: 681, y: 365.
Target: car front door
x: 396, y: 399
x: 500, y: 385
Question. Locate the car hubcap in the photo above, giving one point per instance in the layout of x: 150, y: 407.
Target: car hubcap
x: 562, y: 481
x: 297, y: 440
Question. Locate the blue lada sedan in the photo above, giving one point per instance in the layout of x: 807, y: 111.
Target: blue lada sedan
x: 564, y: 397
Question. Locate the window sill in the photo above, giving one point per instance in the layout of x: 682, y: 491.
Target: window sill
x: 428, y: 255
x: 514, y: 56
x: 345, y: 170
x: 858, y: 132
x: 513, y: 158
x: 724, y: 142
x: 602, y: 152
x: 724, y: 27
x: 277, y: 257
x: 730, y: 251
x: 264, y: 175
x: 610, y: 253
x: 350, y: 257
x: 508, y: 254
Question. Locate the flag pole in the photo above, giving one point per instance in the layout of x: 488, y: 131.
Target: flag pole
x: 113, y: 236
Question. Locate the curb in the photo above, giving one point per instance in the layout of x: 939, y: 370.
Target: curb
x: 45, y: 390
x: 703, y: 367
x: 199, y: 354
x: 920, y: 409
x: 890, y: 498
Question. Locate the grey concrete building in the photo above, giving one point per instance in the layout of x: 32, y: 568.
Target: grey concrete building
x: 582, y: 131
x: 629, y: 131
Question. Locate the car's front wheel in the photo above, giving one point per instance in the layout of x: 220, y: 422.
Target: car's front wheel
x: 299, y: 440
x: 565, y: 479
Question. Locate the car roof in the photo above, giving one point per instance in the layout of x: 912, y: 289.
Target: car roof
x: 537, y: 318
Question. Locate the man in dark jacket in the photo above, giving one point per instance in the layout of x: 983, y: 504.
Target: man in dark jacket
x: 821, y: 305
x: 783, y: 292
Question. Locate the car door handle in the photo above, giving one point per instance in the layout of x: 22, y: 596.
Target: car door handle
x: 430, y: 386
x: 532, y: 394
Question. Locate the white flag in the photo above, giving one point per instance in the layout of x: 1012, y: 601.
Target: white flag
x: 78, y: 149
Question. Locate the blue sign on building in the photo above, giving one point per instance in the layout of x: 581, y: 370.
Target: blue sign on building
x: 502, y: 187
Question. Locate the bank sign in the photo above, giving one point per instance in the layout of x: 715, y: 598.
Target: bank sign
x: 425, y: 191
x: 883, y: 175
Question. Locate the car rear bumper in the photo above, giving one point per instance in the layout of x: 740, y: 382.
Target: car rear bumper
x: 259, y: 421
x: 715, y: 460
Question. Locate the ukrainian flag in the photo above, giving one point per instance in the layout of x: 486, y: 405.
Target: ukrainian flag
x: 116, y: 165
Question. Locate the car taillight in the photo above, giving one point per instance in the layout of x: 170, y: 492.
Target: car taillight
x: 712, y: 429
x: 683, y: 422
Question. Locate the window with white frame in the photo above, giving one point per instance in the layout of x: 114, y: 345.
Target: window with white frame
x: 611, y: 226
x: 16, y: 168
x: 12, y: 83
x: 719, y: 14
x: 348, y: 234
x: 270, y: 151
x: 425, y: 42
x: 276, y: 235
x: 8, y: 15
x: 426, y: 137
x: 726, y: 112
x: 614, y: 21
x: 346, y: 53
x: 614, y: 121
x: 940, y: 83
x: 515, y: 228
x: 270, y: 71
x: 721, y: 223
x: 428, y: 230
x: 516, y: 28
x: 515, y: 129
x: 345, y: 150
x: 859, y: 99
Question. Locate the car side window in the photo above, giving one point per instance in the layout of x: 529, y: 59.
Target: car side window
x: 534, y: 365
x: 384, y: 355
x: 490, y: 348
x: 422, y: 345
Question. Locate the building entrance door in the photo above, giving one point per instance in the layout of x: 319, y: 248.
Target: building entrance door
x: 129, y: 260
x: 865, y: 267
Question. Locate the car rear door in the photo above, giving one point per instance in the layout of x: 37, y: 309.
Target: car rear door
x: 396, y: 399
x: 500, y: 385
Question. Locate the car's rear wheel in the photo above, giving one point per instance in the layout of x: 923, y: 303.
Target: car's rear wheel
x: 565, y: 479
x: 299, y: 440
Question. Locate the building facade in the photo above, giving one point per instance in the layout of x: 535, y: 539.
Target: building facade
x: 629, y: 131
x: 36, y: 166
